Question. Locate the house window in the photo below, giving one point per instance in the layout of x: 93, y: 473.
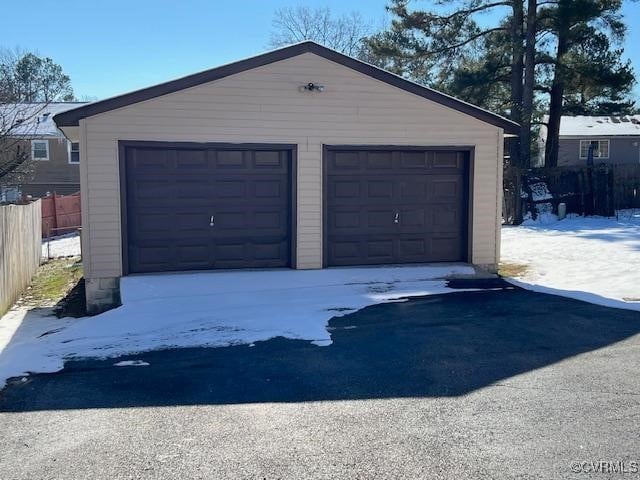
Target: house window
x: 40, y: 149
x: 74, y: 152
x: 600, y: 148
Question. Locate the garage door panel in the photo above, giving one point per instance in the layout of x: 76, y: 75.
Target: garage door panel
x: 343, y: 252
x: 413, y: 247
x: 230, y: 252
x: 447, y: 248
x: 413, y: 160
x: 269, y: 189
x: 360, y: 220
x: 230, y: 159
x: 275, y: 219
x: 193, y: 160
x: 150, y: 160
x: 188, y: 188
x: 380, y: 189
x: 377, y: 220
x: 448, y: 160
x: 230, y: 188
x: 154, y: 223
x: 446, y: 221
x: 151, y: 189
x: 224, y: 221
x: 445, y: 188
x: 260, y: 253
x: 173, y: 194
x: 188, y: 221
x: 268, y: 251
x: 193, y: 254
x: 413, y: 189
x: 395, y: 206
x: 379, y: 160
x: 158, y: 219
x: 410, y: 219
x: 363, y: 191
x: 346, y: 189
x: 152, y: 258
x: 348, y: 161
x: 269, y: 222
x: 380, y: 249
x: 342, y: 221
x: 269, y: 159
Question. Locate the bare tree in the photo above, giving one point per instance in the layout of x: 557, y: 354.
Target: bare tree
x: 296, y: 24
x: 28, y: 85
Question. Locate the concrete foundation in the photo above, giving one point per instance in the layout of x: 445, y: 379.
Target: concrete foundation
x: 102, y: 294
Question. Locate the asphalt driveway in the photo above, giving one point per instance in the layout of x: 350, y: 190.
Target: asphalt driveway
x: 495, y: 383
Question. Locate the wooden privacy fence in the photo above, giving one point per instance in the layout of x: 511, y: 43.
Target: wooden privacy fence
x: 20, y: 249
x: 60, y: 214
x: 598, y: 190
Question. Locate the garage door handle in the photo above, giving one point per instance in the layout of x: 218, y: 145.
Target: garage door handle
x: 396, y: 218
x: 211, y: 222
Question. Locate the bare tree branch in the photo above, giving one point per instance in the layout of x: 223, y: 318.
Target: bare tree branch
x: 345, y: 33
x: 28, y: 85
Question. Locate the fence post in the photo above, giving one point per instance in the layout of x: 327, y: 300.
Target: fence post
x: 612, y: 191
x: 517, y: 207
x: 55, y: 212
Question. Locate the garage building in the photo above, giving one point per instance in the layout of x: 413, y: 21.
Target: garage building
x: 298, y: 158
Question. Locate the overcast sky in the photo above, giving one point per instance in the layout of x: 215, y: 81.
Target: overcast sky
x: 115, y: 46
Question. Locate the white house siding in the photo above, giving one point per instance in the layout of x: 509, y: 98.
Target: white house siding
x: 265, y: 105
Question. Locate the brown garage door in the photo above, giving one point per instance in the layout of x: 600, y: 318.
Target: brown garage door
x: 395, y: 206
x: 205, y: 207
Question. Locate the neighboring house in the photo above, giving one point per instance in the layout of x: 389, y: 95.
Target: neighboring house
x: 298, y: 158
x: 53, y: 161
x: 611, y: 139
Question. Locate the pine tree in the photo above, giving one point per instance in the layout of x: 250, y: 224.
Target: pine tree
x: 551, y: 56
x: 580, y: 28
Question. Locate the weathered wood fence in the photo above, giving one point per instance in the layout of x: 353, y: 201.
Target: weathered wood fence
x: 60, y: 214
x: 598, y: 190
x: 20, y: 249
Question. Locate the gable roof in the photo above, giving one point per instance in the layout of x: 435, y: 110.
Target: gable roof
x: 72, y: 117
x: 590, y: 126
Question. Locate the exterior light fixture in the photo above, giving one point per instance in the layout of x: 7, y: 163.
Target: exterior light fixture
x: 312, y: 87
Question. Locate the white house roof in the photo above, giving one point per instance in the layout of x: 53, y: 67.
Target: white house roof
x: 583, y: 125
x: 32, y: 119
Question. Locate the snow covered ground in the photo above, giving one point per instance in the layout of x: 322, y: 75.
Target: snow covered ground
x: 589, y: 258
x: 211, y: 309
x: 62, y: 246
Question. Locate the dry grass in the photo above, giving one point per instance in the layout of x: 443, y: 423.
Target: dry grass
x: 506, y: 269
x: 52, y: 282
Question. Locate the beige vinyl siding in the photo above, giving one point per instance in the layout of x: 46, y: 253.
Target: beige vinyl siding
x: 265, y: 105
x: 499, y: 194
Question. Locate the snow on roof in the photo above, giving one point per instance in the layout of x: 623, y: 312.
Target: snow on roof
x: 584, y: 125
x: 32, y: 119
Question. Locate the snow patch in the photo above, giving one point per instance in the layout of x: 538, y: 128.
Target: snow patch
x: 594, y: 259
x: 212, y: 309
x: 131, y: 363
x: 61, y: 246
x: 544, y: 217
x: 586, y: 125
